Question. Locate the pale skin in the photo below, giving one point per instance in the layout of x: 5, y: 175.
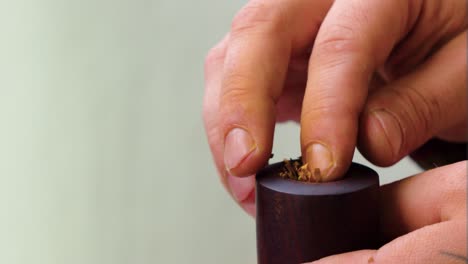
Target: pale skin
x: 384, y: 76
x: 423, y: 218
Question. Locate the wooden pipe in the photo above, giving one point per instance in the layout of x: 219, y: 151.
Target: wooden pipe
x: 300, y: 221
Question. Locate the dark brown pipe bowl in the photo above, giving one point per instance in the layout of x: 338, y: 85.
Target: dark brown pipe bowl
x: 299, y: 221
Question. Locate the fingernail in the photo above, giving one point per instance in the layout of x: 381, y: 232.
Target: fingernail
x: 391, y: 128
x: 238, y: 144
x: 320, y: 161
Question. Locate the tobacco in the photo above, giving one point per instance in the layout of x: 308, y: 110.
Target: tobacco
x: 299, y: 171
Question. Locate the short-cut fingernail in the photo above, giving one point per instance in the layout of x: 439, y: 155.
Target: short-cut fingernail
x: 320, y: 161
x: 238, y: 144
x: 391, y: 128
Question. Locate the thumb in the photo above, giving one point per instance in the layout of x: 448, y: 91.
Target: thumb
x: 361, y: 256
x: 404, y: 115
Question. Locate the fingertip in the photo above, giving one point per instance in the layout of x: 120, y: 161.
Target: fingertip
x: 361, y: 256
x: 238, y: 146
x: 246, y: 150
x: 243, y: 192
x: 247, y: 127
x: 322, y: 164
x: 249, y: 205
x: 320, y: 161
x: 250, y: 165
x: 328, y: 151
x: 380, y: 139
x: 326, y: 163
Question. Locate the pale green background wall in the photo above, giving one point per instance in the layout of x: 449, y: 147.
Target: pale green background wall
x: 103, y: 157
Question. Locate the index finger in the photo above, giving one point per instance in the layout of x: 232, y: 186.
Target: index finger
x: 355, y: 38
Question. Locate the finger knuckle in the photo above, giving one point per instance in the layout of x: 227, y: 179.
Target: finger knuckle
x: 257, y: 15
x: 422, y: 110
x: 338, y: 38
x: 326, y: 102
x: 330, y: 105
x: 213, y: 57
x: 235, y: 88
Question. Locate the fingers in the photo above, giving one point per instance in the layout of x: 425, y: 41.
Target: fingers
x: 254, y: 71
x: 428, y: 211
x: 264, y: 36
x: 431, y: 197
x: 361, y: 256
x: 349, y: 47
x: 438, y: 22
x: 443, y: 243
x: 457, y: 133
x: 241, y: 189
x: 213, y: 76
x: 289, y: 105
x: 243, y: 77
x: 409, y: 111
x: 431, y: 244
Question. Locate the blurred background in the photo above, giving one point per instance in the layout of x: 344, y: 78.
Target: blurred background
x: 103, y: 157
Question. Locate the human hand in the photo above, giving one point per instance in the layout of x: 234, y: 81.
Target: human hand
x: 394, y: 70
x: 423, y: 218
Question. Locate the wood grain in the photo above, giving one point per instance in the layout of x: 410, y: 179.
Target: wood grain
x: 300, y: 221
